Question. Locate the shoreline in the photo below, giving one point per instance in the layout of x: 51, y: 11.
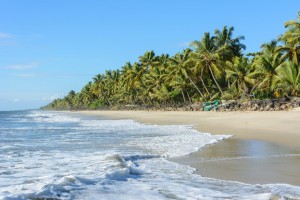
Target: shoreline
x: 279, y: 127
x: 265, y: 147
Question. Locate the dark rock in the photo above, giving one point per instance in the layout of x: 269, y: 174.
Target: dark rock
x: 296, y: 100
x: 267, y: 108
x: 283, y: 107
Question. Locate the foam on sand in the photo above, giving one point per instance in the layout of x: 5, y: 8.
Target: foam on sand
x: 113, y: 159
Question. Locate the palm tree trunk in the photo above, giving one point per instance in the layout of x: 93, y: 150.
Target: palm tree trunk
x: 109, y: 101
x: 187, y: 93
x: 212, y: 74
x: 196, y: 87
x: 203, y: 82
x: 106, y: 99
x: 183, y: 96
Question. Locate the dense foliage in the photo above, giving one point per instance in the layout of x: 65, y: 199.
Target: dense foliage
x: 213, y: 68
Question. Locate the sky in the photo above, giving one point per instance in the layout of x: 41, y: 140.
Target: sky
x: 49, y: 47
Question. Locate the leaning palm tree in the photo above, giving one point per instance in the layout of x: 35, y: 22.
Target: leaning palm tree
x: 180, y: 65
x: 207, y: 58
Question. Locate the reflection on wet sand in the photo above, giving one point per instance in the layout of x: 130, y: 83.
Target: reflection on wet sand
x: 250, y: 161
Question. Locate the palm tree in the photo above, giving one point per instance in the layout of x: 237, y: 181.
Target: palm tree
x: 88, y: 95
x: 214, y: 68
x: 163, y: 62
x: 239, y: 74
x: 155, y: 79
x: 148, y: 60
x: 292, y: 36
x: 267, y: 65
x: 291, y: 53
x: 269, y: 47
x: 291, y: 39
x: 126, y: 86
x: 207, y: 57
x: 180, y: 65
x: 99, y: 89
x: 289, y: 73
x: 230, y: 46
x: 134, y: 80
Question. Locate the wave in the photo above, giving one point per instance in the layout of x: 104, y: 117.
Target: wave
x: 51, y: 117
x: 113, y: 159
x: 149, y: 177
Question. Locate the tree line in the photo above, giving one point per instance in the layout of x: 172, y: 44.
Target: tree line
x: 214, y: 67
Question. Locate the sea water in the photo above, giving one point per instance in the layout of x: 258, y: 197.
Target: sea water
x: 53, y: 155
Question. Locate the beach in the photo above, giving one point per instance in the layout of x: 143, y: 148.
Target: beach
x: 264, y: 147
x: 108, y: 155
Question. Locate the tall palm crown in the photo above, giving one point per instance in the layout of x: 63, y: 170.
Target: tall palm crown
x: 207, y: 57
x: 291, y: 39
x: 230, y: 46
x: 148, y: 60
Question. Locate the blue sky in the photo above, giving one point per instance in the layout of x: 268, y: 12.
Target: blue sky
x: 49, y: 47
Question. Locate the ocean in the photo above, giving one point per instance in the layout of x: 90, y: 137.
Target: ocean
x: 55, y: 155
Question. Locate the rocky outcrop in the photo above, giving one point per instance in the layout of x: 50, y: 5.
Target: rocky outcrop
x: 260, y: 105
x: 223, y: 106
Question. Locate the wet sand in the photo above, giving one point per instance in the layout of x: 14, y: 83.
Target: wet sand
x: 265, y: 147
x: 248, y: 161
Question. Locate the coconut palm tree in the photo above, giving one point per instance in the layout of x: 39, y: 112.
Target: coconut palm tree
x: 292, y: 36
x: 148, y: 60
x: 291, y: 53
x: 88, y: 95
x: 239, y: 74
x: 267, y: 65
x: 230, y: 47
x: 180, y: 65
x: 99, y: 89
x: 289, y: 73
x: 207, y: 58
x: 291, y: 40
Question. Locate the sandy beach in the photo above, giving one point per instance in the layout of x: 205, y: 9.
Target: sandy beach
x: 265, y: 147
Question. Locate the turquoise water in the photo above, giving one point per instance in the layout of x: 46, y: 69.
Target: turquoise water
x: 67, y: 156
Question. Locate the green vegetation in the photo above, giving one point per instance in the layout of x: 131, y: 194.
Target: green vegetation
x: 213, y: 68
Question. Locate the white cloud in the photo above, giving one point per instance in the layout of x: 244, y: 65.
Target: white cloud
x: 5, y: 35
x: 21, y: 66
x: 54, y: 97
x: 51, y: 98
x: 24, y: 75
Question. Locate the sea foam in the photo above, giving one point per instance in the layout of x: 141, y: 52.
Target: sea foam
x: 111, y: 159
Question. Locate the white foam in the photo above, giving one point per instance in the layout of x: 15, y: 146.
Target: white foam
x: 116, y: 159
x: 171, y: 141
x: 168, y: 140
x: 52, y: 117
